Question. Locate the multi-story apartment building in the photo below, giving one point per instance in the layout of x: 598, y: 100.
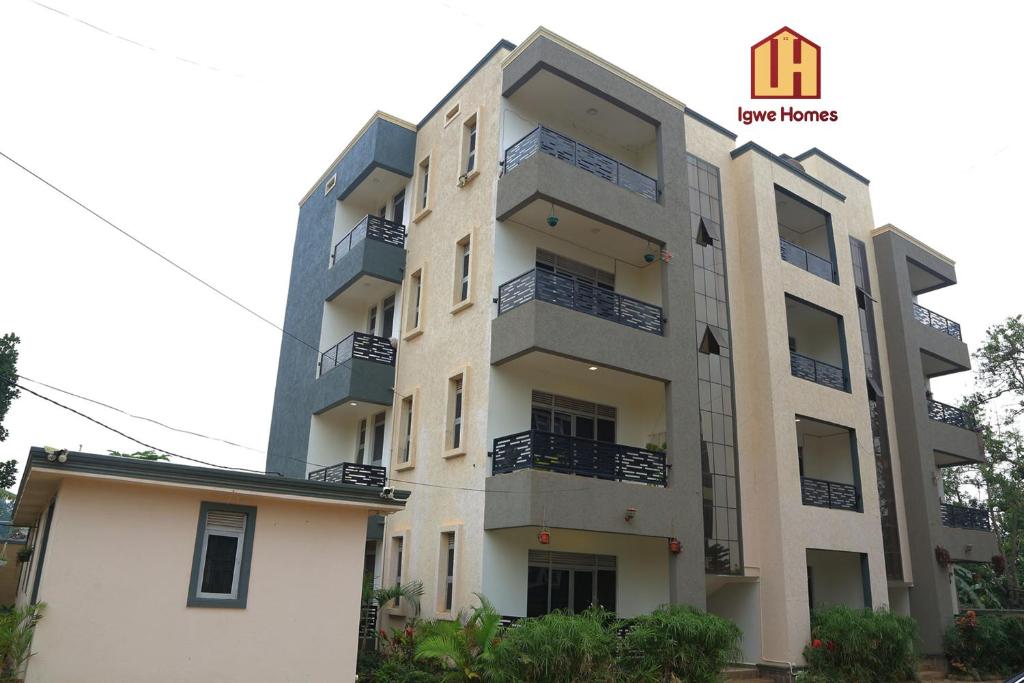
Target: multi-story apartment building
x: 621, y: 360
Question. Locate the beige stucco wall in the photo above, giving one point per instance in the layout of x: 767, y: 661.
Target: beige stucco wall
x: 116, y: 577
x: 10, y: 573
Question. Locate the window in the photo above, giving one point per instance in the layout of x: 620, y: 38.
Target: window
x: 388, y: 327
x: 451, y: 114
x: 223, y: 553
x: 329, y: 185
x: 424, y: 188
x: 399, y: 543
x: 463, y: 260
x: 569, y: 581
x: 413, y: 313
x: 406, y: 450
x: 455, y: 435
x: 371, y: 321
x: 378, y: 438
x: 572, y: 417
x: 361, y: 443
x: 398, y: 208
x: 469, y: 146
x: 448, y: 562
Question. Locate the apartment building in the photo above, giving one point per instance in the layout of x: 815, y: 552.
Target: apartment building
x: 621, y: 360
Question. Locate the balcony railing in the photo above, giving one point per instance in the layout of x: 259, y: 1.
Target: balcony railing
x: 351, y: 473
x: 371, y: 228
x: 951, y: 415
x: 818, y: 371
x: 538, y: 450
x: 962, y: 517
x: 936, y: 321
x: 358, y: 345
x: 812, y: 263
x: 547, y: 141
x: 829, y: 494
x: 579, y: 295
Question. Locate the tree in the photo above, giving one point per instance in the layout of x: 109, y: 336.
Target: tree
x: 8, y: 392
x: 140, y: 455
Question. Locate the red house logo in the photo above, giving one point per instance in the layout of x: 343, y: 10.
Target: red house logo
x: 785, y: 65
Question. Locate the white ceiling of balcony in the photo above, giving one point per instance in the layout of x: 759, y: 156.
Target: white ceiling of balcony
x: 586, y: 233
x: 797, y: 216
x: 377, y: 189
x: 576, y: 373
x: 566, y: 107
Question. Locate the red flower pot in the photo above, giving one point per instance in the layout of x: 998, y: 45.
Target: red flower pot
x: 544, y: 537
x: 674, y: 546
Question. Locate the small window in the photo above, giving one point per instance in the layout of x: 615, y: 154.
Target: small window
x: 704, y: 238
x: 371, y: 321
x: 331, y: 182
x: 469, y: 145
x: 398, y: 208
x: 452, y: 114
x: 388, y: 326
x: 448, y: 558
x: 223, y: 553
x: 424, y: 185
x: 463, y: 261
x: 378, y: 438
x: 709, y: 344
x: 455, y: 435
x: 406, y: 415
x: 361, y: 443
x: 399, y: 552
x: 413, y: 308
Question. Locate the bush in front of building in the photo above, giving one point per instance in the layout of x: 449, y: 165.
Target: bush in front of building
x: 979, y: 645
x: 558, y: 648
x: 861, y: 646
x: 678, y: 643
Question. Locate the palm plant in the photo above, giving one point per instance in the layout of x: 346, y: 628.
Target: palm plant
x: 410, y: 592
x: 465, y: 647
x: 16, y: 629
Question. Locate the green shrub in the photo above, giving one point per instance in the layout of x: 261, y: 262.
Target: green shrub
x: 16, y: 629
x: 861, y: 646
x: 464, y: 649
x: 985, y: 644
x: 558, y: 648
x: 678, y: 643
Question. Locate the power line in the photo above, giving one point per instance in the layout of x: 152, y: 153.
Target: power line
x: 140, y: 417
x: 157, y: 253
x: 132, y: 438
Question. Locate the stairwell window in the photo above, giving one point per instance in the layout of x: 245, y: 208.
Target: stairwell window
x: 399, y: 547
x: 422, y: 189
x: 455, y: 434
x: 406, y: 447
x: 222, y: 556
x: 462, y: 285
x: 448, y: 565
x: 469, y: 150
x: 414, y: 308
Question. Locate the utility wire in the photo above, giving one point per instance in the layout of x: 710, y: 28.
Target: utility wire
x: 132, y: 438
x: 140, y: 417
x: 157, y: 253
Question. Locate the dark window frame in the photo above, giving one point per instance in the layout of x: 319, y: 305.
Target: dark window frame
x: 240, y: 601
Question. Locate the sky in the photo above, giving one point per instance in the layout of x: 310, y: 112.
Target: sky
x: 198, y: 125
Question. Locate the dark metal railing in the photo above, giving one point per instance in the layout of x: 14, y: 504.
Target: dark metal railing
x: 358, y: 345
x: 829, y: 494
x: 936, y: 321
x: 370, y: 228
x: 351, y: 473
x: 818, y: 371
x: 812, y: 263
x: 538, y: 450
x: 963, y: 517
x: 549, y: 142
x: 367, y: 625
x: 951, y: 415
x: 579, y: 295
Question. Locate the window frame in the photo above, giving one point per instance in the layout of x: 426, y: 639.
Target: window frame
x: 422, y: 185
x: 414, y: 303
x: 469, y: 148
x: 244, y: 561
x: 463, y: 272
x: 448, y: 567
x: 456, y: 392
x: 405, y: 442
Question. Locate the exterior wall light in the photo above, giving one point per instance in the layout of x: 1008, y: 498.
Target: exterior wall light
x: 674, y: 546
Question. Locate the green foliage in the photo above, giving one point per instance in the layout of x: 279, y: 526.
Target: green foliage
x: 560, y: 648
x: 978, y: 586
x: 861, y: 646
x: 986, y: 644
x: 16, y: 629
x: 464, y: 648
x: 679, y: 643
x: 394, y: 661
x: 140, y: 455
x: 409, y: 592
x: 9, y: 370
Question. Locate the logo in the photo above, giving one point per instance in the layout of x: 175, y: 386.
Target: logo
x: 785, y: 65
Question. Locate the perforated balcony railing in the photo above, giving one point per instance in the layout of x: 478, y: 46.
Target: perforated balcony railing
x: 538, y: 450
x: 963, y: 517
x: 370, y: 228
x: 351, y: 473
x: 936, y: 321
x: 579, y: 295
x: 547, y: 141
x: 817, y: 371
x: 829, y: 494
x: 951, y: 415
x: 358, y: 345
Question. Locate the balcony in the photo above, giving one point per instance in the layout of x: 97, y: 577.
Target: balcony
x: 817, y: 371
x: 963, y: 517
x: 951, y: 415
x: 375, y: 247
x: 801, y: 258
x: 359, y: 368
x: 546, y: 141
x: 351, y: 473
x: 829, y: 494
x: 582, y: 457
x: 937, y: 322
x: 358, y: 345
x: 578, y: 295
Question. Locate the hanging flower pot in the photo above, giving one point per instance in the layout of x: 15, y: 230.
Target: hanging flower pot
x: 675, y: 546
x: 544, y: 537
x: 942, y: 556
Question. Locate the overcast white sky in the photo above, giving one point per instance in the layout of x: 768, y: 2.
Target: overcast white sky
x: 207, y: 163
